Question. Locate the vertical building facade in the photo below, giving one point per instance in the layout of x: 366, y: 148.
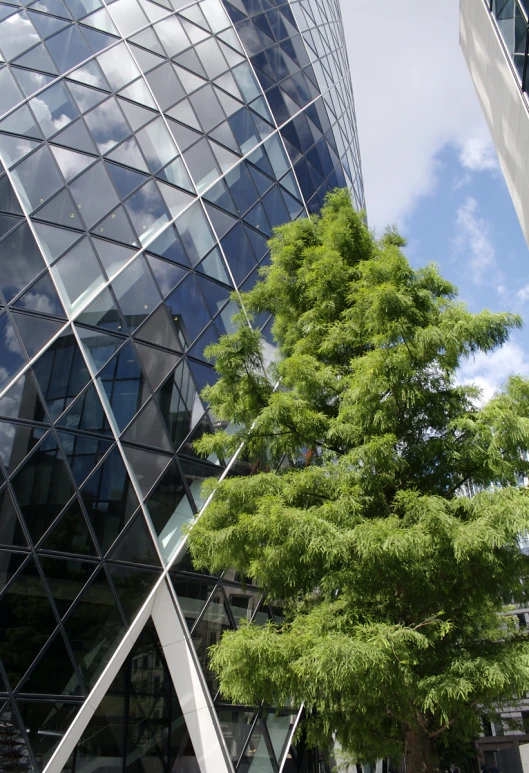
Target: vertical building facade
x: 495, y: 42
x: 147, y: 150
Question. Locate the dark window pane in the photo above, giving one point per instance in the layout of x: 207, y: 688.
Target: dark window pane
x: 26, y: 622
x: 125, y: 385
x: 46, y: 723
x: 17, y: 440
x: 43, y: 487
x: 61, y: 373
x: 132, y: 585
x: 192, y: 594
x: 70, y: 533
x: 87, y: 414
x: 22, y: 401
x: 136, y: 292
x: 82, y: 453
x: 170, y: 509
x: 53, y: 674
x: 110, y: 499
x: 20, y: 261
x: 188, y: 309
x: 11, y: 533
x: 66, y: 579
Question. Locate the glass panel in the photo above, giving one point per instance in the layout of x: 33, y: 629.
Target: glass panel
x: 68, y: 48
x: 188, y: 310
x: 9, y: 92
x: 78, y: 274
x: 167, y: 275
x: 99, y: 347
x: 147, y: 211
x: 26, y: 622
x: 196, y: 233
x: 43, y: 487
x: 157, y: 144
x: 113, y: 256
x: 45, y: 724
x: 76, y: 136
x: 11, y: 533
x: 257, y: 756
x: 87, y: 414
x: 136, y: 293
x: 146, y: 465
x: 202, y: 165
x: 35, y: 331
x: 107, y: 124
x: 11, y: 355
x: 42, y: 298
x: 159, y: 329
x: 125, y: 386
x: 54, y: 109
x: 82, y: 453
x: 93, y: 208
x: 165, y: 85
x: 10, y: 563
x: 132, y: 586
x: 118, y: 65
x: 172, y: 35
x: 66, y: 579
x: 20, y: 261
x: 148, y: 429
x: 37, y: 178
x: 192, y: 595
x: 128, y: 15
x: 157, y: 364
x: 170, y: 509
x: 208, y: 631
x: 17, y: 34
x: 53, y: 673
x: 103, y: 312
x: 61, y: 373
x: 70, y: 533
x: 235, y: 725
x: 22, y: 401
x: 94, y: 628
x: 169, y: 246
x: 180, y: 404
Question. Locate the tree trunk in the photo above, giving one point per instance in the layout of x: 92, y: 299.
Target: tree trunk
x: 417, y: 750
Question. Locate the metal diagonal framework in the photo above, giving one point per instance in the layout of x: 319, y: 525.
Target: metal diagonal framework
x: 147, y: 149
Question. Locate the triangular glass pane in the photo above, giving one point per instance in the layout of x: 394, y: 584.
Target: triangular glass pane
x: 258, y: 219
x: 192, y: 593
x: 42, y: 297
x: 190, y: 61
x: 149, y: 40
x: 220, y: 196
x: 216, y: 295
x: 169, y: 509
x: 180, y: 403
x: 235, y: 725
x: 136, y: 293
x: 91, y: 74
x: 167, y: 274
x: 109, y: 499
x: 176, y: 174
x: 71, y: 163
x: 15, y: 148
x: 125, y: 180
x: 221, y: 222
x: 224, y: 135
x: 94, y: 628
x: 21, y: 122
x: 158, y: 329
x: 149, y: 429
x: 262, y: 182
x: 257, y: 756
x: 147, y: 466
x: 213, y: 265
x: 137, y: 116
x: 189, y: 80
x: 279, y: 725
x: 25, y: 592
x: 125, y: 385
x: 76, y: 136
x: 70, y: 533
x: 101, y: 20
x: 37, y: 59
x: 8, y: 200
x: 146, y: 60
x: 17, y: 440
x: 104, y: 313
x: 10, y: 563
x: 138, y: 92
x: 133, y: 584
x: 135, y: 545
x: 208, y: 631
x: 82, y: 453
x: 53, y: 673
x: 112, y: 256
x: 22, y: 401
x: 175, y: 200
x: 129, y: 153
x: 85, y: 97
x: 11, y: 532
x: 7, y: 222
x: 157, y: 363
x: 183, y: 136
x: 169, y: 246
x: 184, y: 113
x: 35, y: 331
x: 31, y: 81
x: 87, y: 413
x: 54, y: 241
x: 97, y: 40
x: 99, y: 347
x: 117, y: 227
x: 42, y: 487
x: 61, y: 210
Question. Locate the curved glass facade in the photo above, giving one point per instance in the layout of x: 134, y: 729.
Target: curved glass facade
x: 147, y: 149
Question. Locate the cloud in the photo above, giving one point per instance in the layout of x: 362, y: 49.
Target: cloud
x: 490, y: 371
x: 473, y: 238
x: 523, y: 294
x: 479, y: 155
x: 413, y: 97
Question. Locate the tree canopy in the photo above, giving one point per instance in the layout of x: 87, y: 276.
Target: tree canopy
x: 357, y: 516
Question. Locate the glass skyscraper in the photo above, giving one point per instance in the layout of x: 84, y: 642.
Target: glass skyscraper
x: 147, y: 149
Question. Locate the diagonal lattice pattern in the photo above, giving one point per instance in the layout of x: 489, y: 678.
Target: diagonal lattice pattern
x: 148, y: 149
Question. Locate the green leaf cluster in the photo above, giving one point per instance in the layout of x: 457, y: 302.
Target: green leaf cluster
x: 356, y: 520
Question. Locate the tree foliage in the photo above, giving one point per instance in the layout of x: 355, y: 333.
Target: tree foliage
x: 356, y: 518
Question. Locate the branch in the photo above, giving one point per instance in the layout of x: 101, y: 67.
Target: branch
x: 449, y: 724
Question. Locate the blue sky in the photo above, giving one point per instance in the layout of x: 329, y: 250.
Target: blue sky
x: 430, y: 166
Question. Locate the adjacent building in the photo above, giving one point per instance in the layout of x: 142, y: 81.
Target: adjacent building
x: 147, y: 150
x: 495, y: 42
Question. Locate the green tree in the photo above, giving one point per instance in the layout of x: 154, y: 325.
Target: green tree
x: 391, y: 577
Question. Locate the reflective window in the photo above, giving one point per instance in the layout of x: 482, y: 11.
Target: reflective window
x: 93, y: 208
x: 78, y: 274
x: 11, y: 355
x: 136, y: 293
x: 118, y: 65
x: 125, y: 386
x: 54, y: 109
x: 147, y: 211
x: 107, y: 124
x: 68, y: 48
x: 17, y: 34
x: 169, y: 508
x: 20, y: 261
x: 37, y: 178
x: 61, y: 373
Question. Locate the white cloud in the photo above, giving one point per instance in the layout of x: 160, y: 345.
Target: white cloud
x: 479, y: 155
x: 523, y: 294
x: 413, y: 96
x: 490, y: 371
x: 473, y: 239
